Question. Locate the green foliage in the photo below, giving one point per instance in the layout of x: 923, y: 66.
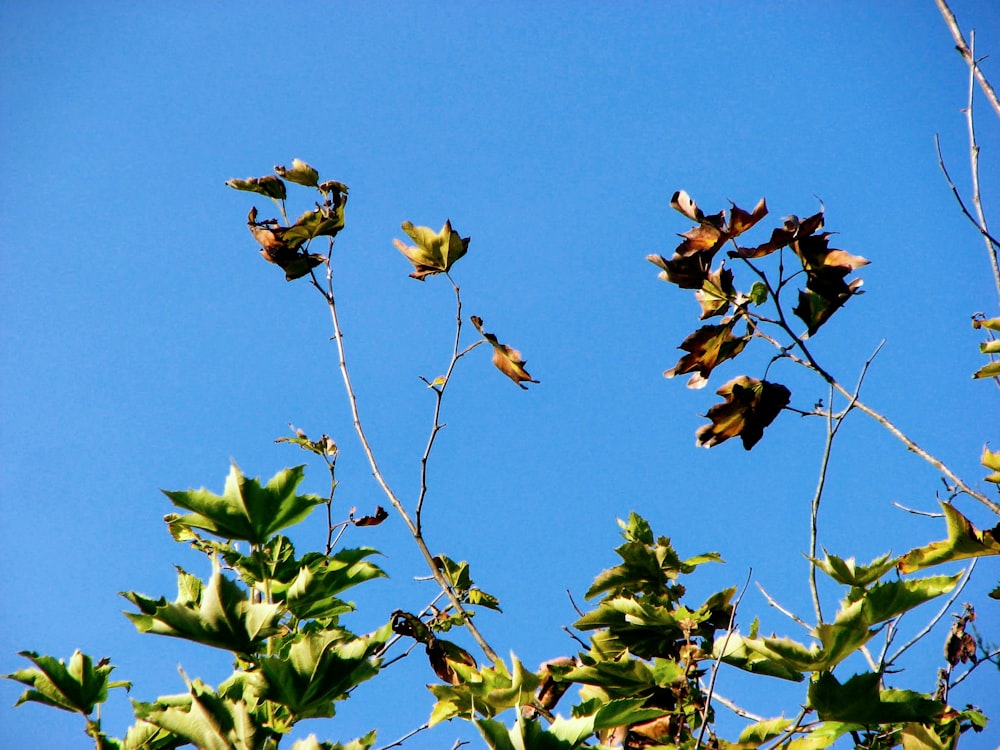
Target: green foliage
x: 78, y: 686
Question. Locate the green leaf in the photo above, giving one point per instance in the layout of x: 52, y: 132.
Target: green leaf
x: 312, y: 594
x: 207, y: 720
x: 269, y: 185
x: 320, y: 668
x: 758, y: 293
x: 245, y: 510
x: 320, y: 222
x: 218, y: 614
x: 860, y: 701
x: 300, y: 173
x: 78, y: 686
x: 486, y: 692
x: 748, y: 655
x: 823, y: 735
x: 849, y: 573
x: 964, y: 541
x: 311, y: 743
x: 145, y: 736
x: 757, y: 734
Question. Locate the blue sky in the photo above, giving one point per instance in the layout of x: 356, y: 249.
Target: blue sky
x: 145, y: 343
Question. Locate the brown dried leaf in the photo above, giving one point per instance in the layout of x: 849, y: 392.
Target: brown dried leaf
x: 708, y: 347
x: 716, y: 293
x: 507, y: 360
x: 740, y: 221
x: 750, y: 405
x: 295, y: 262
x: 441, y: 653
x: 380, y: 515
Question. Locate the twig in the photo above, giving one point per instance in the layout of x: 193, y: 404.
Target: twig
x: 934, y: 620
x: 569, y: 594
x: 958, y: 197
x: 718, y: 661
x: 437, y: 426
x: 967, y: 55
x: 895, y: 431
x: 575, y: 637
x: 741, y: 712
x: 415, y: 531
x: 831, y: 432
x: 405, y: 737
x: 918, y: 512
x: 985, y: 660
x: 773, y: 603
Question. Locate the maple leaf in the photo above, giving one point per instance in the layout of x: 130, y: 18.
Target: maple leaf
x: 434, y: 252
x: 707, y: 348
x: 692, y: 260
x: 750, y: 405
x: 716, y: 293
x: 826, y: 289
x: 783, y: 236
x: 507, y: 360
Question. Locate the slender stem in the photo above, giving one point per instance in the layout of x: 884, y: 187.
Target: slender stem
x: 974, y: 167
x: 895, y: 431
x: 787, y: 613
x: 738, y: 710
x: 405, y: 737
x: 985, y: 660
x: 415, y: 532
x: 831, y: 432
x: 436, y: 425
x: 967, y: 55
x: 718, y: 661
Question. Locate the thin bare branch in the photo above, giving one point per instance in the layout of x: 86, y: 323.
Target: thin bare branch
x: 785, y: 612
x: 405, y: 737
x: 718, y: 661
x: 967, y: 55
x: 397, y: 505
x: 988, y: 659
x: 926, y: 513
x: 739, y: 711
x: 958, y: 197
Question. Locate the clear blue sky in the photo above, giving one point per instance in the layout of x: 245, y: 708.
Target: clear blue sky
x: 145, y: 343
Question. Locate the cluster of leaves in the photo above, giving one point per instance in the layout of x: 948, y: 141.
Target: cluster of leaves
x: 750, y: 405
x: 642, y: 682
x: 278, y: 614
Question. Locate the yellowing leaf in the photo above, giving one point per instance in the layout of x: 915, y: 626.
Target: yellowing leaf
x: 991, y: 460
x: 964, y: 541
x: 507, y: 360
x: 434, y: 252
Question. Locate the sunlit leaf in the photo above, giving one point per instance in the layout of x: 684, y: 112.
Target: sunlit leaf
x: 716, y: 293
x: 217, y: 614
x: 246, y: 510
x: 207, y: 720
x: 321, y: 668
x: 300, y: 173
x: 964, y: 541
x: 849, y: 573
x: 435, y: 252
x: 750, y: 405
x: 763, y: 731
x: 78, y: 686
